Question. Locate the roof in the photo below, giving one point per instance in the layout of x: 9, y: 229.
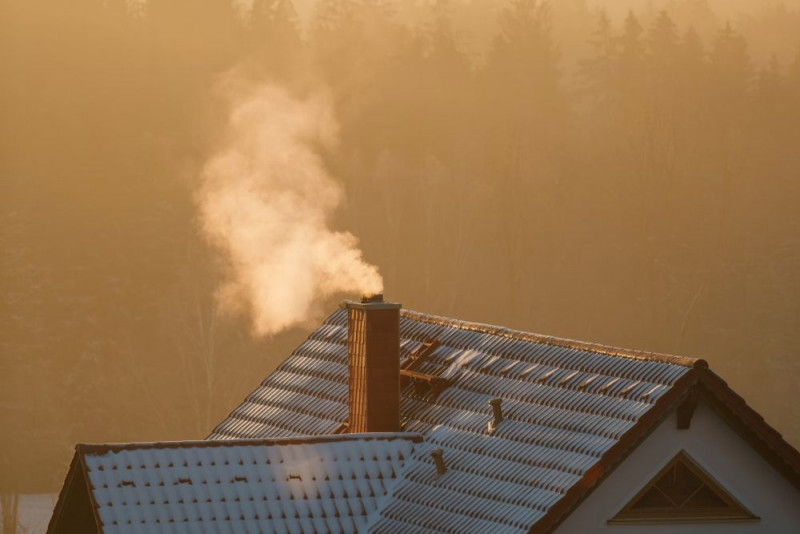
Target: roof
x: 600, y: 390
x: 330, y: 484
x: 572, y: 412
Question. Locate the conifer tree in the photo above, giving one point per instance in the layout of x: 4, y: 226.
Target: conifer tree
x: 691, y: 61
x: 274, y: 37
x: 793, y: 93
x: 521, y: 77
x: 351, y: 39
x: 522, y: 113
x: 598, y: 71
x: 631, y: 66
x: 768, y: 91
x: 730, y: 71
x: 662, y: 48
x: 443, y: 88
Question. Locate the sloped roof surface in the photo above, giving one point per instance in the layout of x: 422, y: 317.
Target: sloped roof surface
x: 565, y: 405
x: 328, y: 484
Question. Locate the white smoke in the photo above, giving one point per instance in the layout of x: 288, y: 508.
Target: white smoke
x: 266, y: 202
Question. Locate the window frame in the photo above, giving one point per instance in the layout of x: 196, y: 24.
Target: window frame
x: 736, y: 512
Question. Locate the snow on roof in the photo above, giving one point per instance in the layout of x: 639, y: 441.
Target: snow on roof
x: 565, y: 405
x: 329, y: 484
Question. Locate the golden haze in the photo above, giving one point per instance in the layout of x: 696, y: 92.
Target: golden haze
x: 629, y: 179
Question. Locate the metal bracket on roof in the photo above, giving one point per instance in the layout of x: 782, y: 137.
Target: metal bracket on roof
x: 686, y: 408
x: 408, y: 373
x: 433, y: 380
x: 436, y: 383
x: 421, y: 352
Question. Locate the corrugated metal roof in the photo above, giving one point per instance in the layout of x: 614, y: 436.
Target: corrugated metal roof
x: 329, y: 484
x: 565, y: 404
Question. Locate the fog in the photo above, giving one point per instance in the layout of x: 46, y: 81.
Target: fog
x: 187, y: 185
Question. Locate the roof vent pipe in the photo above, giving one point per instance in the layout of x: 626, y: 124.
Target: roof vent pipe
x: 497, y: 414
x: 436, y: 454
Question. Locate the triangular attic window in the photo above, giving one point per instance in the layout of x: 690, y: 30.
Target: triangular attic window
x: 682, y: 492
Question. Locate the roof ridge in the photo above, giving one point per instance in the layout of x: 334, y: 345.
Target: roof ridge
x: 100, y: 448
x: 598, y: 348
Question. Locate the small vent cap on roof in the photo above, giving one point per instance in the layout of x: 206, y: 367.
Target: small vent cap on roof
x: 497, y: 414
x: 438, y: 459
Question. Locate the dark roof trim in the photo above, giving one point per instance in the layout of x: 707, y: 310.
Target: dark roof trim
x: 76, y: 468
x: 552, y: 340
x: 731, y: 408
x: 89, y: 488
x: 62, y: 495
x: 90, y: 449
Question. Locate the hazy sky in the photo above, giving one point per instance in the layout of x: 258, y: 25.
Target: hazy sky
x: 724, y: 8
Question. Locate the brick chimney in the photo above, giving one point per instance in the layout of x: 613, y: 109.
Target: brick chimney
x: 373, y: 359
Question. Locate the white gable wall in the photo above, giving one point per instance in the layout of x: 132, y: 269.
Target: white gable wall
x: 722, y: 453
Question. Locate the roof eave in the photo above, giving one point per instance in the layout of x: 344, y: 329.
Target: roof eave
x: 103, y: 448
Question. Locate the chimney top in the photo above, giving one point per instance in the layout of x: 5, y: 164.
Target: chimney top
x: 371, y: 302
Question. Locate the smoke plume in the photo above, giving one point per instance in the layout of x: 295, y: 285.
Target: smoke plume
x: 266, y: 203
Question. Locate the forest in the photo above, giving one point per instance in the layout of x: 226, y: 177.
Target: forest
x: 624, y: 177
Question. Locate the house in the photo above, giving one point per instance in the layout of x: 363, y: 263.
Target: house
x: 499, y: 431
